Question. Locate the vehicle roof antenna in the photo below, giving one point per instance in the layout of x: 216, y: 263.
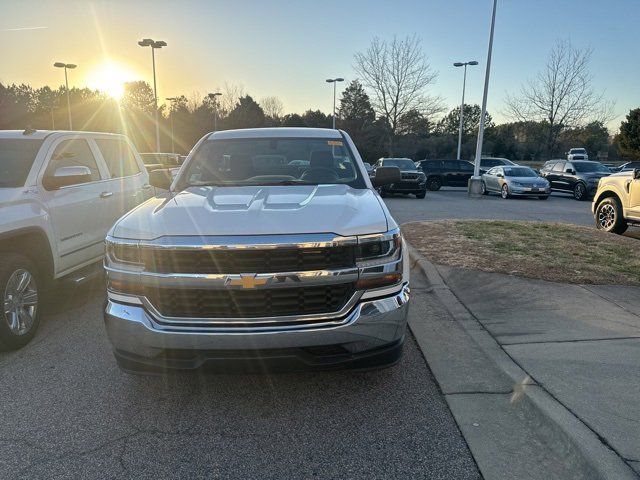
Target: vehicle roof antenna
x: 29, y: 130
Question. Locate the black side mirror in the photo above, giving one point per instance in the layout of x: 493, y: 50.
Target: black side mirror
x: 570, y: 171
x: 636, y: 173
x: 501, y: 175
x: 161, y: 178
x: 386, y: 176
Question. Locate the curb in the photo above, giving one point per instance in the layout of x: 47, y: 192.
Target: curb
x: 563, y: 428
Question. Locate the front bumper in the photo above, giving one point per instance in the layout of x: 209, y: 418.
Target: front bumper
x: 524, y: 191
x: 372, y: 328
x: 406, y: 187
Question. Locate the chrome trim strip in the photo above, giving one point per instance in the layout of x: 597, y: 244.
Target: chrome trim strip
x: 234, y: 281
x: 312, y: 318
x: 245, y: 242
x: 399, y: 299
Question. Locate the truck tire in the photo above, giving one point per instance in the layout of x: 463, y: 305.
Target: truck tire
x: 609, y: 217
x: 21, y: 290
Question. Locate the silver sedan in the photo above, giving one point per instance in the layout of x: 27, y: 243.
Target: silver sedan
x: 515, y: 180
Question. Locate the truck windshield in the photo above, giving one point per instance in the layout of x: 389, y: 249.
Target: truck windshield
x: 16, y: 157
x: 401, y: 163
x: 273, y: 161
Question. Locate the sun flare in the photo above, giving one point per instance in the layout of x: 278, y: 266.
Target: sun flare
x: 110, y: 77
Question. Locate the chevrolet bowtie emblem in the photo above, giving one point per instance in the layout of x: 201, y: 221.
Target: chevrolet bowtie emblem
x: 246, y: 280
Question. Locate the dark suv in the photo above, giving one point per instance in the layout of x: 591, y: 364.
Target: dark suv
x: 578, y: 177
x: 412, y: 179
x: 446, y: 173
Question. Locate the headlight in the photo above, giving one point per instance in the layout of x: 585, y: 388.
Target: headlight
x: 123, y: 254
x: 378, y: 260
x: 378, y: 249
x: 515, y: 184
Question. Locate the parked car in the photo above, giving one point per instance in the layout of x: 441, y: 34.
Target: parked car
x: 488, y: 162
x: 616, y: 203
x: 249, y: 261
x: 577, y: 154
x: 412, y: 179
x: 446, y: 173
x: 60, y: 192
x: 629, y: 166
x: 515, y: 181
x: 579, y: 178
x: 155, y: 161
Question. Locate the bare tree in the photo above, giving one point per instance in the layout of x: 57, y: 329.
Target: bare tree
x: 561, y: 95
x: 231, y: 94
x: 272, y: 107
x: 397, y: 74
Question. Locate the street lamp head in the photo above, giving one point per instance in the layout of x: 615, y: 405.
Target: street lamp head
x: 330, y: 80
x: 59, y: 64
x: 158, y: 44
x: 145, y: 42
x: 458, y: 64
x: 339, y: 79
x: 71, y: 65
x: 212, y: 96
x: 473, y: 62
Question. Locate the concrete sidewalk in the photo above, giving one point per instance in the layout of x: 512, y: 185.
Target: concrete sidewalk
x: 581, y: 344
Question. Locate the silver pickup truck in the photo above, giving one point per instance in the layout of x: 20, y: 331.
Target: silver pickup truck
x: 271, y: 249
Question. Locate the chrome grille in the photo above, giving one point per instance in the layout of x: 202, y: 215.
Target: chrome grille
x: 409, y: 176
x: 279, y: 302
x: 243, y: 261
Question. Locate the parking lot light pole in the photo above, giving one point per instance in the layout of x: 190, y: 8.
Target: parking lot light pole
x: 334, y: 81
x: 148, y: 42
x: 475, y: 182
x: 66, y: 66
x: 213, y: 96
x: 172, y: 99
x: 464, y: 84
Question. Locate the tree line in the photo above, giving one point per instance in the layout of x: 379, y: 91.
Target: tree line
x: 388, y: 111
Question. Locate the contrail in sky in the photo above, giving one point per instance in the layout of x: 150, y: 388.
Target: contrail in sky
x: 21, y: 29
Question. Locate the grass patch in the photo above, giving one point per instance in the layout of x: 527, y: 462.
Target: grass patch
x: 551, y: 251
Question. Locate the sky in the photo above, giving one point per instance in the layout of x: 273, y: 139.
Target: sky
x: 288, y: 48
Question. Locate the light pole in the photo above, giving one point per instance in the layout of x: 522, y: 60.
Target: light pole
x: 148, y: 42
x: 172, y: 99
x: 475, y: 182
x: 67, y: 66
x: 334, y: 81
x: 464, y: 84
x: 213, y: 96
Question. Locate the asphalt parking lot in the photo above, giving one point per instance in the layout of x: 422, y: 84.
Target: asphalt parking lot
x: 453, y: 203
x: 68, y: 412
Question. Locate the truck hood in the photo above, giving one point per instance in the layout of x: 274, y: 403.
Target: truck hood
x: 256, y: 210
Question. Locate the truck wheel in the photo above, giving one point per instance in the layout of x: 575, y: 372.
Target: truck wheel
x: 20, y: 285
x: 609, y: 216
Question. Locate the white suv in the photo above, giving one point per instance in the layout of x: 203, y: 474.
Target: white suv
x: 577, y: 154
x: 271, y: 248
x: 60, y: 192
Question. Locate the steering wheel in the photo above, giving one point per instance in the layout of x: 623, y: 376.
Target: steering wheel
x: 320, y: 175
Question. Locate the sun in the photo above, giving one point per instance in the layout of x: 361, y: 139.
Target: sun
x: 110, y: 77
